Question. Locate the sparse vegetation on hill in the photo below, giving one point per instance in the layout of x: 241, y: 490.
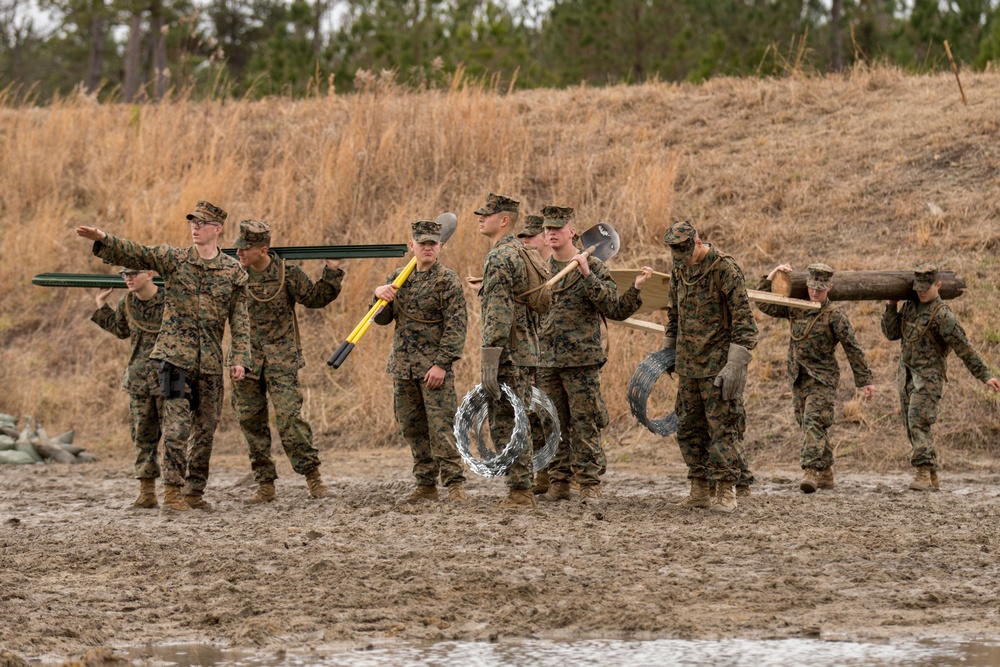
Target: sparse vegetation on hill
x: 878, y: 169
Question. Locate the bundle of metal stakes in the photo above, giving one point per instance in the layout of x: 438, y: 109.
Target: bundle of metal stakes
x: 293, y: 253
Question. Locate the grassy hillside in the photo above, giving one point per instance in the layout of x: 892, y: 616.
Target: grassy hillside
x: 854, y: 171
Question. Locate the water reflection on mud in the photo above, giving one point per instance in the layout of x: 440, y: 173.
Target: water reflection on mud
x: 603, y: 653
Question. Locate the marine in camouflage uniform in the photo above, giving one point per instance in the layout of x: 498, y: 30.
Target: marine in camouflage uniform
x: 274, y: 288
x: 201, y: 295
x: 814, y: 370
x: 571, y: 356
x: 532, y: 236
x: 929, y: 330
x: 138, y: 319
x: 431, y: 320
x: 510, y: 346
x: 711, y: 324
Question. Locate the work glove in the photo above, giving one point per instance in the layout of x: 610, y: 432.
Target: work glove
x: 491, y: 365
x: 670, y: 343
x: 733, y: 376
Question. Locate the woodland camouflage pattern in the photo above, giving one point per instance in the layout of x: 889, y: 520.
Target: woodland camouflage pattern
x: 923, y: 367
x: 276, y: 360
x: 570, y: 359
x: 509, y: 325
x: 139, y: 321
x: 200, y: 296
x: 814, y: 371
x: 431, y: 321
x: 706, y: 313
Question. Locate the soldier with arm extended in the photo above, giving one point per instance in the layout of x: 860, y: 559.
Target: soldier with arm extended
x: 711, y: 325
x: 203, y: 289
x: 929, y: 330
x: 509, y: 344
x: 571, y: 356
x: 814, y: 370
x: 431, y: 320
x: 138, y: 318
x: 274, y: 288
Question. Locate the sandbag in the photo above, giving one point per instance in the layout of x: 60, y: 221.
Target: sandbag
x: 15, y: 457
x: 86, y: 457
x: 72, y: 449
x: 6, y: 442
x: 64, y: 438
x: 28, y: 449
x: 54, y: 452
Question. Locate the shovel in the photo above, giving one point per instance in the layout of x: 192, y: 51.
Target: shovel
x: 448, y: 223
x: 601, y: 241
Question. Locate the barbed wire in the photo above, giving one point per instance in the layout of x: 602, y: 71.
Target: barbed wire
x: 540, y: 401
x: 492, y: 463
x: 641, y: 383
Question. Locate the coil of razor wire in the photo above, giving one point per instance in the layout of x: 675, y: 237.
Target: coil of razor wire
x: 645, y: 376
x: 490, y: 463
x: 540, y: 401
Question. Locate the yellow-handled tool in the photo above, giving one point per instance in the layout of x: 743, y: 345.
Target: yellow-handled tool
x: 448, y: 223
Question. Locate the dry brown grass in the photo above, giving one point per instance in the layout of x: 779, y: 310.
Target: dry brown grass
x: 797, y: 169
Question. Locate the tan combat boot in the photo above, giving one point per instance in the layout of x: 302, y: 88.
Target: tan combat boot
x: 147, y: 495
x: 541, y: 482
x: 935, y: 482
x: 590, y: 494
x: 725, y: 498
x: 317, y: 489
x: 922, y: 479
x: 810, y: 480
x: 699, y: 495
x: 557, y: 491
x: 825, y: 478
x: 172, y: 500
x: 743, y: 492
x: 421, y: 494
x: 196, y: 502
x: 456, y: 493
x: 518, y: 499
x: 264, y: 494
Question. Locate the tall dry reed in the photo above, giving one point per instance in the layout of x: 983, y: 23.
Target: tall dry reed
x: 840, y: 170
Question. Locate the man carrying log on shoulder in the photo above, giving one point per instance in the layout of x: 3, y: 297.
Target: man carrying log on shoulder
x: 571, y: 355
x: 711, y: 325
x: 204, y: 288
x: 431, y: 320
x: 138, y: 318
x: 929, y: 330
x: 274, y: 287
x: 814, y: 370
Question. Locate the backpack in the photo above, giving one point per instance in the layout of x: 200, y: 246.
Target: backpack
x: 538, y: 297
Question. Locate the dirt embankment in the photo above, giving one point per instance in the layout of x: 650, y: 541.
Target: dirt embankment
x: 866, y: 560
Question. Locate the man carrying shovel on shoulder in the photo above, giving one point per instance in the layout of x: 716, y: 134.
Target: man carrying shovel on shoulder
x: 571, y: 355
x: 429, y: 311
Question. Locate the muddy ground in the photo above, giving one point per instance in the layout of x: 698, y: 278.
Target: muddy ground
x: 868, y: 560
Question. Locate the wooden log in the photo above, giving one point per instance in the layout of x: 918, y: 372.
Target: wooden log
x: 866, y: 285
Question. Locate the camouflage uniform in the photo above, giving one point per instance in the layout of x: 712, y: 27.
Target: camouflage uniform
x: 507, y: 324
x: 140, y: 321
x: 200, y: 296
x: 928, y: 332
x: 429, y: 311
x: 708, y: 310
x: 537, y: 421
x: 814, y: 370
x: 277, y: 357
x: 571, y: 356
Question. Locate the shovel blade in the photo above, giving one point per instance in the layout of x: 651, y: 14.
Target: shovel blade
x: 605, y: 237
x: 448, y: 222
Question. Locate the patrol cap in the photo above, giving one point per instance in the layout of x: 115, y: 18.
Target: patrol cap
x: 556, y: 217
x: 532, y: 227
x: 496, y: 203
x: 820, y: 277
x: 426, y: 230
x: 925, y: 275
x: 253, y: 232
x: 681, y: 239
x: 208, y: 212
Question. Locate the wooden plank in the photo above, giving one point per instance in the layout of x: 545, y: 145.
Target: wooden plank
x: 640, y: 325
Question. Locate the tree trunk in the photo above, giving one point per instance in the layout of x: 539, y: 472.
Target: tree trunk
x: 161, y: 75
x: 95, y: 64
x: 866, y: 285
x: 836, y: 42
x: 133, y: 57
